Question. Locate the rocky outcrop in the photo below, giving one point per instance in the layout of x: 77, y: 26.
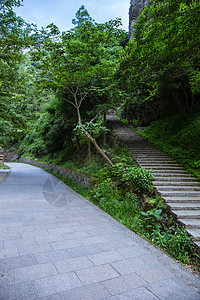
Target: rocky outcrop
x: 136, y: 6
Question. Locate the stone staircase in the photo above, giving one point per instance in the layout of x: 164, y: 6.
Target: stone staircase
x: 177, y: 187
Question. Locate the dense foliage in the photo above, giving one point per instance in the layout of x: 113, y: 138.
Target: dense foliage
x: 14, y: 36
x: 160, y: 65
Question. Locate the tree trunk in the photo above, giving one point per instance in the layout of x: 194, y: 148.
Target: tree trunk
x: 101, y: 152
x: 92, y: 140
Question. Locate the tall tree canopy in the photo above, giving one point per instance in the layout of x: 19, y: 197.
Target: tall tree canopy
x: 78, y: 64
x: 161, y: 65
x: 14, y: 37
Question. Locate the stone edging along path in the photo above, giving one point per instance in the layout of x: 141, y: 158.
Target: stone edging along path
x: 177, y: 187
x: 77, y: 176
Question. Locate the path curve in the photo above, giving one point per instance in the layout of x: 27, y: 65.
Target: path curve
x: 56, y: 245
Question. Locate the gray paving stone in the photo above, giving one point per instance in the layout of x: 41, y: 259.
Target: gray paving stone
x: 19, y: 242
x: 130, y: 265
x: 73, y: 264
x: 51, y: 297
x: 90, y: 292
x: 173, y: 288
x: 57, y: 284
x: 22, y: 291
x: 6, y: 277
x: 84, y: 250
x: 2, y: 245
x: 83, y: 227
x: 17, y: 262
x: 132, y: 251
x: 49, y: 238
x: 97, y: 274
x: 76, y: 235
x: 52, y: 256
x: 92, y: 240
x: 10, y: 236
x: 114, y: 245
x: 34, y: 272
x: 10, y: 252
x: 105, y: 257
x: 32, y: 249
x: 123, y: 283
x: 61, y: 229
x: 137, y: 294
x: 65, y: 244
x: 155, y: 274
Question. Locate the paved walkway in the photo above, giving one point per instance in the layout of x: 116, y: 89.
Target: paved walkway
x: 56, y: 245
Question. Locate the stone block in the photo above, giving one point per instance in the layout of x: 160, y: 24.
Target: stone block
x: 123, y: 283
x: 10, y: 252
x: 73, y: 264
x: 97, y: 274
x: 65, y: 244
x: 155, y: 274
x: 34, y: 272
x: 90, y: 292
x: 52, y: 256
x: 132, y: 251
x: 173, y: 288
x: 137, y: 294
x: 17, y: 262
x: 105, y: 257
x: 32, y: 249
x: 84, y: 250
x: 130, y: 265
x: 57, y: 284
x: 22, y: 291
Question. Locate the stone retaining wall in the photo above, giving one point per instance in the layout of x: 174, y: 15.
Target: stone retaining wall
x: 78, y: 177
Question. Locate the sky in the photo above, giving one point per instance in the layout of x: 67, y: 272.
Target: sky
x: 61, y: 12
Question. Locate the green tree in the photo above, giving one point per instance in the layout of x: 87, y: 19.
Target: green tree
x: 72, y: 66
x: 160, y: 66
x: 14, y: 37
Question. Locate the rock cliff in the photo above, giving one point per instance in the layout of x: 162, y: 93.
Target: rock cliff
x: 136, y: 6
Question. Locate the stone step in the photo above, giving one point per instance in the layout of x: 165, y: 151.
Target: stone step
x: 170, y: 171
x: 195, y: 233
x: 181, y: 199
x: 149, y: 155
x: 180, y: 193
x: 174, y: 176
x: 197, y: 244
x: 190, y: 223
x: 174, y: 179
x: 187, y: 214
x: 144, y: 148
x: 186, y: 205
x: 165, y: 168
x: 157, y: 162
x: 177, y: 188
x: 160, y: 166
x: 176, y: 183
